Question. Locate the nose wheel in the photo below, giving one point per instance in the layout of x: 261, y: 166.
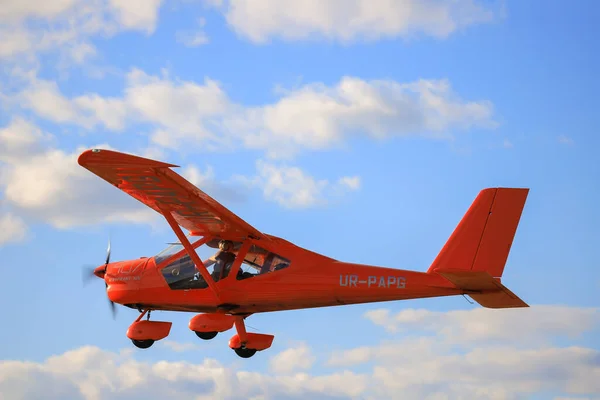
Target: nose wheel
x: 143, y: 334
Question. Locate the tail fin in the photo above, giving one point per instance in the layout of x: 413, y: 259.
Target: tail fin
x: 478, y: 248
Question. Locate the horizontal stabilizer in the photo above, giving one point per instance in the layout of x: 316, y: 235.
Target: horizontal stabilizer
x: 483, y: 288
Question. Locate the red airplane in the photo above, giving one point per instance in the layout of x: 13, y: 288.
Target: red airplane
x: 252, y: 272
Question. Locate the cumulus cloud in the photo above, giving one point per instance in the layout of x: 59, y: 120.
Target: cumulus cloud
x: 90, y: 373
x: 44, y: 98
x: 193, y: 38
x: 293, y: 359
x: 480, y: 353
x: 52, y: 187
x: 29, y: 28
x: 291, y: 187
x: 12, y: 228
x: 484, y: 324
x: 20, y: 138
x: 313, y: 117
x: 317, y: 116
x: 208, y: 183
x: 179, y: 347
x: 348, y: 21
x: 11, y: 11
x: 136, y: 14
x: 417, y: 367
x: 351, y: 182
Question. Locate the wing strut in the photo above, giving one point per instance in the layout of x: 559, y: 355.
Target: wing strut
x: 191, y: 252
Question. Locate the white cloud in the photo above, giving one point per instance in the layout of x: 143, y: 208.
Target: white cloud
x: 313, y: 117
x: 180, y: 109
x: 179, y: 347
x: 29, y: 28
x: 292, y: 359
x: 488, y: 373
x: 188, y: 115
x: 12, y: 229
x: 427, y: 367
x: 213, y: 3
x: 576, y: 398
x: 318, y: 117
x: 91, y: 374
x: 193, y: 38
x: 14, y: 41
x: 88, y: 111
x: 288, y: 186
x: 19, y: 139
x: 110, y: 112
x: 293, y: 188
x: 136, y: 14
x: 485, y: 324
x: 484, y: 354
x: 11, y: 11
x: 347, y: 21
x: 197, y: 177
x: 52, y: 187
x: 351, y: 182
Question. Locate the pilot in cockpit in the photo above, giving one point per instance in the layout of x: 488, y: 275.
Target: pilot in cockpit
x: 223, y: 259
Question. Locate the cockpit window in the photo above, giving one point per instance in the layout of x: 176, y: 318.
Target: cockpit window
x: 168, y: 252
x: 181, y: 273
x: 260, y: 261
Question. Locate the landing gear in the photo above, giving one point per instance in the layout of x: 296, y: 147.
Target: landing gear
x: 206, y: 335
x: 143, y: 334
x: 142, y: 344
x: 207, y: 326
x: 244, y: 352
x: 247, y: 344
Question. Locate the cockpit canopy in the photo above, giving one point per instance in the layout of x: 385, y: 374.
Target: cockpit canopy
x: 180, y: 272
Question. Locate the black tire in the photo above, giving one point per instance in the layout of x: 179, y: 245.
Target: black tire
x: 245, y: 353
x: 206, y: 335
x: 142, y: 344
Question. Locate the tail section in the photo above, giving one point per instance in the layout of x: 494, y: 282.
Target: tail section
x: 477, y: 250
x: 484, y: 289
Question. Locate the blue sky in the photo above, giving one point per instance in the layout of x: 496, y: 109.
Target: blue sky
x: 360, y: 131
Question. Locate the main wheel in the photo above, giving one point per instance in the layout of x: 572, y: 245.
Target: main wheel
x: 206, y: 335
x: 142, y: 344
x: 245, y: 353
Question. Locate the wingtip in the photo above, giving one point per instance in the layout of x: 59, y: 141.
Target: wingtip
x: 101, y: 156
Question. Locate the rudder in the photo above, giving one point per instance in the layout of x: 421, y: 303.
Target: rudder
x: 483, y: 238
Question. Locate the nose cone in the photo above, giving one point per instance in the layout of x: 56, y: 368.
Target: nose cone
x: 99, y: 271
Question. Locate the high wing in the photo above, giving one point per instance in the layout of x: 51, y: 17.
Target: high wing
x: 160, y: 188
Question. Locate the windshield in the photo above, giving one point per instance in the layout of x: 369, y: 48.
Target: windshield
x: 168, y: 252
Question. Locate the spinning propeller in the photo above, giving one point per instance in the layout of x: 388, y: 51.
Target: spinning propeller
x: 100, y: 272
